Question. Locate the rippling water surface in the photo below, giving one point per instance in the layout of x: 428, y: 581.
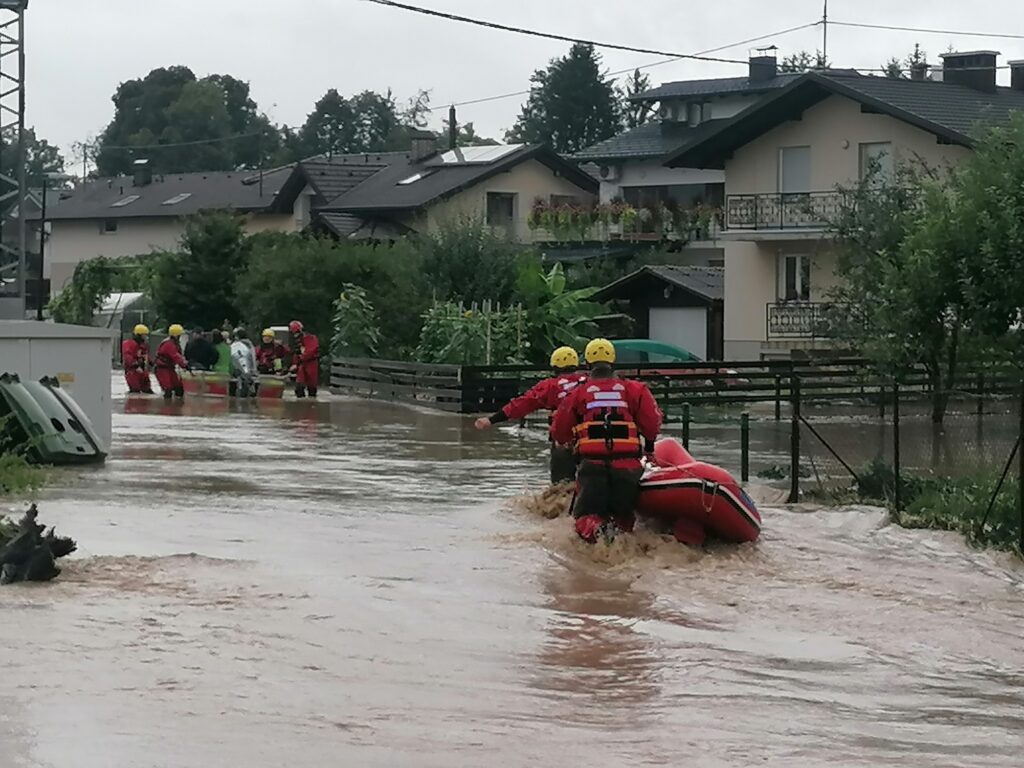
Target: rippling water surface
x: 345, y: 583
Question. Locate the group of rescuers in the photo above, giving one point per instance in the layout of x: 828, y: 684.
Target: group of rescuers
x: 226, y: 352
x: 601, y: 427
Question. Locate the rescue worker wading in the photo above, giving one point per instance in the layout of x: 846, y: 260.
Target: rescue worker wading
x: 547, y: 395
x: 135, y: 356
x: 168, y: 359
x: 271, y: 354
x: 306, y: 363
x: 612, y: 423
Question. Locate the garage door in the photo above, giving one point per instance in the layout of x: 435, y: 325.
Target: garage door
x: 686, y: 328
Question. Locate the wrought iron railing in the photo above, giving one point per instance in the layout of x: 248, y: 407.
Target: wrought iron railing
x: 801, y: 320
x: 781, y: 210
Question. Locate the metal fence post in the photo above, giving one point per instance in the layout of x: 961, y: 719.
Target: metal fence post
x: 897, y: 478
x: 778, y: 398
x: 745, y: 447
x: 794, y: 448
x: 1020, y: 466
x: 686, y: 426
x: 981, y: 393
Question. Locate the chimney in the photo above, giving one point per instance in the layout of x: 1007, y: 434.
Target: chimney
x: 919, y: 70
x: 974, y: 69
x: 1017, y: 75
x: 763, y: 66
x: 143, y: 172
x: 423, y: 145
x: 453, y: 128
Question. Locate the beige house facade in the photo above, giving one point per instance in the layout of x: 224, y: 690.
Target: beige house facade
x: 785, y: 161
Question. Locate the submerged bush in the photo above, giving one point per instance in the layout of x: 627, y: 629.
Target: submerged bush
x: 950, y: 503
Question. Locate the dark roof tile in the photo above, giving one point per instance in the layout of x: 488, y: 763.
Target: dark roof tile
x: 718, y: 86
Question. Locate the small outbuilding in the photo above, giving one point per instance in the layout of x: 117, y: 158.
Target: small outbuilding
x: 77, y: 356
x: 682, y: 306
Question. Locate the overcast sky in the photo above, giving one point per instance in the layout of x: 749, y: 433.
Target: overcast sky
x: 292, y: 51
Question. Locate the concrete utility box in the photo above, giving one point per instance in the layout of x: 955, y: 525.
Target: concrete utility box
x: 77, y: 356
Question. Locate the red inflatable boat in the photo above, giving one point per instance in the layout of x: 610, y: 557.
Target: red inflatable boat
x: 696, y: 499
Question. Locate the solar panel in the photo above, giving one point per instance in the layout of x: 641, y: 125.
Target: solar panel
x: 476, y: 155
x: 125, y: 201
x: 177, y: 199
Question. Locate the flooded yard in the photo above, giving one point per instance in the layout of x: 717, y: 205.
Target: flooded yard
x: 347, y: 583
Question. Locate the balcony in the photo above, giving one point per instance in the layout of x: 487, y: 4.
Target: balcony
x: 781, y: 211
x: 800, y: 320
x: 612, y: 222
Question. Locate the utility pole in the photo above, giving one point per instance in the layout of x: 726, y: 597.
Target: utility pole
x: 824, y: 35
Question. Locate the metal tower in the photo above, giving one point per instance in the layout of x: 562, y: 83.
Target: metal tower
x: 13, y: 188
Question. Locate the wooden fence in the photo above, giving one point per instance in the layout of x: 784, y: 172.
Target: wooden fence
x: 484, y: 389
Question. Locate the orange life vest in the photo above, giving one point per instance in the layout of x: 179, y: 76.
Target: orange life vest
x: 608, y: 430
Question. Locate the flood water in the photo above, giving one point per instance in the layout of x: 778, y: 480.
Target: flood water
x: 345, y: 584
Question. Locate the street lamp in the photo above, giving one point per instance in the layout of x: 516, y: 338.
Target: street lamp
x: 47, y: 177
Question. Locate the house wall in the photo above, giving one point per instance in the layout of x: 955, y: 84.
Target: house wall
x: 528, y: 180
x: 72, y: 242
x: 652, y: 173
x: 834, y: 130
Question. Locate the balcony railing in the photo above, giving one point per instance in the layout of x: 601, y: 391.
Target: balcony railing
x: 781, y: 210
x: 801, y: 320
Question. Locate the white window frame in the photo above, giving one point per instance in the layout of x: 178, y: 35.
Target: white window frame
x: 515, y: 210
x: 780, y: 176
x: 861, y: 158
x: 804, y: 270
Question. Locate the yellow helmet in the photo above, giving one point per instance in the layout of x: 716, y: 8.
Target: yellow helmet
x: 267, y: 333
x: 141, y: 330
x: 175, y: 330
x: 600, y: 351
x: 565, y: 357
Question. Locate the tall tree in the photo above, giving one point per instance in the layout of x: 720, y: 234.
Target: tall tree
x: 572, y: 104
x: 804, y: 61
x: 40, y: 156
x: 901, y: 69
x: 637, y: 112
x: 214, y: 115
x: 366, y: 122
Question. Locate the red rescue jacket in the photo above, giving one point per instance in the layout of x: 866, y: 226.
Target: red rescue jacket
x: 547, y: 395
x: 134, y: 354
x: 168, y: 354
x: 268, y: 354
x: 608, y: 420
x: 308, y: 350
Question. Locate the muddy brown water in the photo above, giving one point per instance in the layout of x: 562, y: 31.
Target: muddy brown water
x: 345, y: 584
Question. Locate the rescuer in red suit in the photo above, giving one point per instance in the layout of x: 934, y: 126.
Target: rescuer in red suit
x: 612, y: 423
x: 547, y: 395
x: 270, y: 354
x: 306, y: 365
x: 135, y: 357
x: 168, y: 356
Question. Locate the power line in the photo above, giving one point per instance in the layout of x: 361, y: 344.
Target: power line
x: 619, y: 72
x: 547, y: 35
x: 172, y: 145
x: 926, y: 31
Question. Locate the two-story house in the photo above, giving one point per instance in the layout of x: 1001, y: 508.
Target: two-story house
x: 784, y: 158
x: 631, y: 165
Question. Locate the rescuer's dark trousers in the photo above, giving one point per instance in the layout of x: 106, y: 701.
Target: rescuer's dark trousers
x: 608, y: 492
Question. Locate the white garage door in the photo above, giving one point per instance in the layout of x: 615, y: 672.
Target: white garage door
x: 686, y: 328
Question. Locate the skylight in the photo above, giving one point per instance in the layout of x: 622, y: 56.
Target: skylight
x: 125, y: 201
x: 414, y: 178
x: 177, y: 199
